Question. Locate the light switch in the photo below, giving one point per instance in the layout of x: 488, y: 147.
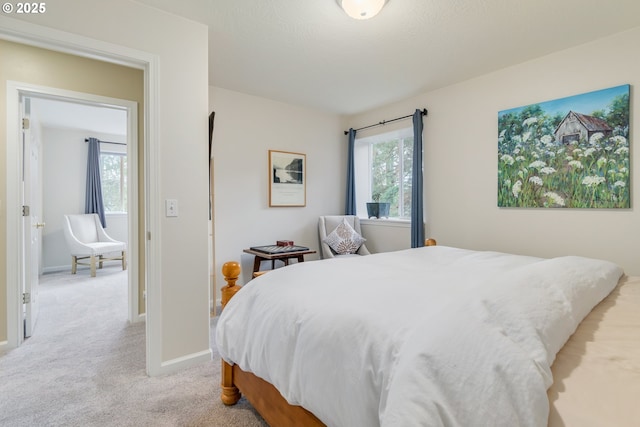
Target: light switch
x: 171, y: 207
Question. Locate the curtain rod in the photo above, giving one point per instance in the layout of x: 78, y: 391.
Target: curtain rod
x: 107, y: 142
x: 384, y: 122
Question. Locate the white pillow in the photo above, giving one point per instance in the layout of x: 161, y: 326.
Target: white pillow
x: 344, y: 239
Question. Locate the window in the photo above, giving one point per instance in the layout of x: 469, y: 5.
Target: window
x: 388, y: 159
x: 113, y: 169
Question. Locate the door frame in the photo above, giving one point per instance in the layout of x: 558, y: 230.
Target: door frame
x: 15, y: 92
x: 52, y: 39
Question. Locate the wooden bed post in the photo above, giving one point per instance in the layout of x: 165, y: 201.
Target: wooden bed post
x: 430, y: 242
x: 230, y: 393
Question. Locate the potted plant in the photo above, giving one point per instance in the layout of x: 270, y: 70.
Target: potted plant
x: 378, y: 209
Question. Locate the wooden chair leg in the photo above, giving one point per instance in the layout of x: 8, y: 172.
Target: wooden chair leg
x: 100, y: 261
x: 124, y: 260
x: 93, y: 266
x: 74, y: 264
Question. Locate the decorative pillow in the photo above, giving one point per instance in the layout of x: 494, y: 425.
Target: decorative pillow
x: 344, y: 239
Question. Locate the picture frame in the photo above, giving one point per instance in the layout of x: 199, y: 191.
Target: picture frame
x: 570, y: 152
x: 287, y: 179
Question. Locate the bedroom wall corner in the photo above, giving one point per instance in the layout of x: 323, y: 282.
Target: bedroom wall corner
x: 246, y: 128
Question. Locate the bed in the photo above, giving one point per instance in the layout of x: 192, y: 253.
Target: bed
x: 435, y: 336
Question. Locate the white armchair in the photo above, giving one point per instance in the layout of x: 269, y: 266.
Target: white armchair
x: 87, y: 239
x: 327, y: 224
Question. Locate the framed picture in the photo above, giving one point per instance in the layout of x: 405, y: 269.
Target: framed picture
x: 287, y: 179
x: 566, y: 153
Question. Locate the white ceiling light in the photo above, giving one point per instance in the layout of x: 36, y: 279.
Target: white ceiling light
x: 362, y: 9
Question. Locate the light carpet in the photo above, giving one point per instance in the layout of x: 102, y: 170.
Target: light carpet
x: 85, y: 366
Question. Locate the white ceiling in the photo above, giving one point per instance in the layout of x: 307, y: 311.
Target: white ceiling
x: 308, y: 52
x: 94, y: 119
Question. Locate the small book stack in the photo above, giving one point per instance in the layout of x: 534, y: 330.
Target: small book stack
x: 284, y: 242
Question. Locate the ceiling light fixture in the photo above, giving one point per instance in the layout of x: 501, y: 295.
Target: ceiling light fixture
x: 362, y: 9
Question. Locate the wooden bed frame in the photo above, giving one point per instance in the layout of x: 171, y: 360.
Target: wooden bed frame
x: 263, y: 396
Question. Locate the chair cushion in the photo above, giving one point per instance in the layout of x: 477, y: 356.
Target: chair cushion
x: 344, y: 239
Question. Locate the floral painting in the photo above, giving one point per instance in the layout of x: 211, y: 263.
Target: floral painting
x: 567, y: 153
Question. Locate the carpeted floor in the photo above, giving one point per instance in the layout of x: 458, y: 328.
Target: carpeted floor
x: 85, y: 366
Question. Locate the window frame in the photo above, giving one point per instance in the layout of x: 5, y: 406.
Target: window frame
x: 363, y: 159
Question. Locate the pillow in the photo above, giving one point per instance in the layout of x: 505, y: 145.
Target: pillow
x: 344, y: 239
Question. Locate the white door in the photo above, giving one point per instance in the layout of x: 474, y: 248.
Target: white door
x: 32, y: 224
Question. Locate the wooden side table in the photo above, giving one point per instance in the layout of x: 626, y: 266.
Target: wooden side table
x: 284, y: 257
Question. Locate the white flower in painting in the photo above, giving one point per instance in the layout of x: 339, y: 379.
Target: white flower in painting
x: 516, y: 150
x: 550, y: 154
x: 526, y: 136
x: 530, y: 121
x: 502, y: 133
x: 576, y: 164
x: 536, y: 180
x: 568, y: 158
x: 507, y: 159
x: 619, y: 184
x: 601, y: 162
x: 520, y: 159
x: 547, y: 139
x: 537, y: 164
x: 547, y: 170
x: 535, y: 155
x: 596, y: 138
x: 623, y: 170
x: 593, y: 181
x: 517, y: 187
x: 577, y: 151
x: 507, y: 182
x: 589, y: 151
x: 619, y: 139
x: 554, y: 198
x: 622, y: 151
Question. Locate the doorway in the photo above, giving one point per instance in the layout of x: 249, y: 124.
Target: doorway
x: 25, y: 98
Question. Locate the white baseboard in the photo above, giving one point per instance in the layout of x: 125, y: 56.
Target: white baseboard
x: 175, y: 365
x: 4, y: 346
x: 56, y: 269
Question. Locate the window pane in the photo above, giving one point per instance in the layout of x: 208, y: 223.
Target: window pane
x: 386, y: 170
x: 407, y: 171
x: 114, y: 182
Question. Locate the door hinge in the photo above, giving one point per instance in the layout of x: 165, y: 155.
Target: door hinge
x: 25, y: 124
x: 26, y: 210
x: 26, y: 298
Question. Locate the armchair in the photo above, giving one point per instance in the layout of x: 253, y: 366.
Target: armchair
x: 327, y: 224
x: 87, y: 239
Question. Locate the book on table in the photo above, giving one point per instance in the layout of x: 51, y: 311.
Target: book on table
x: 276, y: 249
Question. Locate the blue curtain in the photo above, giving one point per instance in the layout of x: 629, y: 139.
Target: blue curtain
x: 350, y: 203
x: 93, y: 199
x: 417, y: 184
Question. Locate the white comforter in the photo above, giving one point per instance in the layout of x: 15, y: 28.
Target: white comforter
x: 433, y: 336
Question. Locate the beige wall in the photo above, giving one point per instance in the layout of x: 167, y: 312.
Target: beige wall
x: 58, y: 70
x: 460, y: 139
x: 246, y: 128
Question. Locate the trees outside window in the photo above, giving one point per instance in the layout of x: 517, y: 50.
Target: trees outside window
x: 113, y: 167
